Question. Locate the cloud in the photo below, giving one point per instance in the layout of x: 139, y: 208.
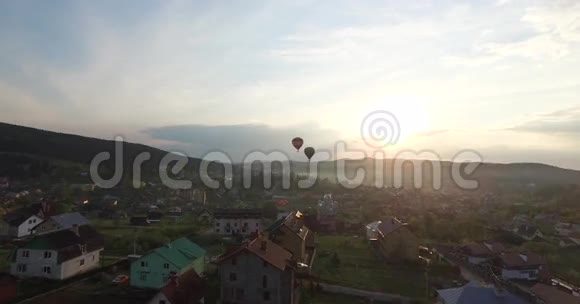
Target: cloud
x: 554, y: 28
x: 239, y: 140
x: 565, y: 121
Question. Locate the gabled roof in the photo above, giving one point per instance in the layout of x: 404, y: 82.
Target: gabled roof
x: 553, y: 295
x: 67, y: 242
x: 527, y: 230
x: 516, y: 260
x: 388, y: 226
x: 473, y: 294
x: 185, y: 289
x: 67, y: 220
x: 180, y: 252
x: 484, y: 249
x: 18, y: 217
x: 263, y: 248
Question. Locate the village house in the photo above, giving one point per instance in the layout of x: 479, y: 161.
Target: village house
x: 237, y: 221
x: 372, y: 230
x: 187, y: 288
x: 59, y: 222
x: 521, y: 266
x: 20, y: 223
x: 478, y: 253
x: 292, y: 234
x: 154, y: 269
x: 205, y: 216
x: 528, y: 232
x: 568, y: 241
x: 396, y: 241
x: 555, y: 295
x: 59, y: 255
x: 259, y: 271
x: 566, y: 229
x: 473, y: 293
x: 326, y: 216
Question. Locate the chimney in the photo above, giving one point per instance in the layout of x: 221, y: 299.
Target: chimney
x: 264, y: 245
x: 524, y: 257
x: 75, y: 229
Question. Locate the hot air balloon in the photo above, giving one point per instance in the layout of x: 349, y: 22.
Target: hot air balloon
x: 297, y: 142
x: 309, y: 152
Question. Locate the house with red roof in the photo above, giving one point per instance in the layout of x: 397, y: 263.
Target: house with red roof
x: 187, y: 288
x: 258, y: 271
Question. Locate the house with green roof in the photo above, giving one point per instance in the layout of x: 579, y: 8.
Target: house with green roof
x: 155, y: 268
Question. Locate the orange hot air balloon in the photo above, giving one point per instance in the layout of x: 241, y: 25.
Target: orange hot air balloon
x: 309, y: 152
x: 297, y: 142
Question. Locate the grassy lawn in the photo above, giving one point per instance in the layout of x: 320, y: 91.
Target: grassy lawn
x: 566, y: 264
x: 359, y: 268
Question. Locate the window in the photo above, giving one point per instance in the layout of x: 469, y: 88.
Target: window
x: 217, y: 230
x: 264, y: 281
x: 144, y: 264
x: 93, y: 257
x: 235, y: 224
x: 82, y: 262
x: 21, y: 267
x: 246, y: 224
x: 166, y: 265
x: 233, y: 277
x: 29, y: 221
x: 46, y: 269
x: 25, y: 253
x: 234, y: 261
x: 143, y: 277
x: 217, y: 224
x: 47, y: 254
x: 34, y: 221
x: 266, y: 296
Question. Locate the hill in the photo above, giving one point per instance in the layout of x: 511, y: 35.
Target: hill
x: 35, y: 149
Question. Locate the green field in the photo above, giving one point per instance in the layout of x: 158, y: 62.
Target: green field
x: 359, y: 268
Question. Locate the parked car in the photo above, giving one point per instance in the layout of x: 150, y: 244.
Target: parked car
x: 120, y: 279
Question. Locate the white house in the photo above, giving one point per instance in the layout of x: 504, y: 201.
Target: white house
x: 59, y: 255
x: 237, y: 221
x: 373, y: 230
x: 521, y: 266
x: 20, y: 224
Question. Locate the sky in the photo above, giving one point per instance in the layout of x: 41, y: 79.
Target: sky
x: 499, y: 77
